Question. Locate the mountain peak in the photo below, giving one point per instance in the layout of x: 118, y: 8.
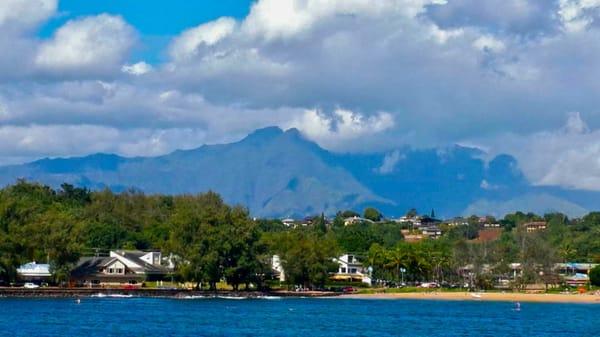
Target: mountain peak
x: 264, y: 134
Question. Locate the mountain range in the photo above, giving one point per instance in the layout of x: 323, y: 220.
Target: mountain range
x: 278, y: 173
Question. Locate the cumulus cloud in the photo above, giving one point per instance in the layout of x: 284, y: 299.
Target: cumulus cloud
x: 515, y: 17
x: 137, y: 69
x: 91, y: 45
x: 68, y: 140
x: 341, y: 126
x: 577, y: 15
x: 25, y: 14
x: 187, y: 45
x: 495, y: 73
x: 565, y: 157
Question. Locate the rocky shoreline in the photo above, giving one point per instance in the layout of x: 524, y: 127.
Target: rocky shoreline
x: 147, y: 292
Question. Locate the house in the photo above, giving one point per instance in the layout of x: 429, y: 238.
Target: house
x: 411, y: 221
x: 429, y: 222
x: 277, y: 268
x: 410, y: 237
x: 119, y: 268
x: 488, y: 235
x: 455, y: 222
x: 351, y: 269
x: 432, y: 232
x: 356, y: 220
x: 34, y: 272
x: 535, y: 226
x: 289, y: 222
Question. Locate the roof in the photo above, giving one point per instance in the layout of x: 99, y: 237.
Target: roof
x: 535, y: 224
x: 93, y: 265
x: 89, y: 266
x: 34, y: 269
x: 487, y: 235
x: 135, y: 257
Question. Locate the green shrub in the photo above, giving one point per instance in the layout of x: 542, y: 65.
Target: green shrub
x: 595, y: 276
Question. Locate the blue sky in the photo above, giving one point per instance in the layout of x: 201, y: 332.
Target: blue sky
x: 143, y: 78
x: 153, y: 17
x: 155, y: 20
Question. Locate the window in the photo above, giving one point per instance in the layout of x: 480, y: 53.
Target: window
x: 353, y: 271
x: 343, y: 270
x: 111, y: 271
x: 119, y: 271
x: 350, y: 258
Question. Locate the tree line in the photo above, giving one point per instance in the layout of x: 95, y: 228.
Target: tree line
x: 212, y: 241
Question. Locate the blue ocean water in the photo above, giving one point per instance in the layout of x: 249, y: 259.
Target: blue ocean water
x: 291, y: 317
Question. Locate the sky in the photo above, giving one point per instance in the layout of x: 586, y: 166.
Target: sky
x: 146, y: 77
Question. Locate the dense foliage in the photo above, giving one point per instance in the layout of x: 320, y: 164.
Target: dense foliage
x: 595, y: 276
x: 212, y: 241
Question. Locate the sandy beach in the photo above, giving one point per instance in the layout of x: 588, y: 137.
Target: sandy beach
x: 465, y: 296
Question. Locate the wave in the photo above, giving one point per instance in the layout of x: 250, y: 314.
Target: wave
x: 232, y: 297
x: 101, y: 295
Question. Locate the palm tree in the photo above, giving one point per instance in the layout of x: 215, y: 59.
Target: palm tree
x: 398, y: 258
x: 567, y: 251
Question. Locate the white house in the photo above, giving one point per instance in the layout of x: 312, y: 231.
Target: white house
x: 350, y: 269
x: 34, y: 272
x: 356, y: 219
x: 120, y: 267
x: 277, y: 268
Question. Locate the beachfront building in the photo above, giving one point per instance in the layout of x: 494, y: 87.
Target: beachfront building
x: 277, y: 268
x: 34, y: 272
x: 121, y: 267
x: 351, y: 269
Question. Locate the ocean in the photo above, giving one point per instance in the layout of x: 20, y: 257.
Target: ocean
x: 291, y: 317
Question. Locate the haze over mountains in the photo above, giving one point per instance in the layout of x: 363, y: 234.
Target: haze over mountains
x: 276, y: 173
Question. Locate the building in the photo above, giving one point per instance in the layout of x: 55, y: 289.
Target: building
x: 355, y: 220
x: 455, y: 222
x: 351, y: 269
x: 432, y: 232
x: 277, y: 268
x: 119, y: 268
x: 535, y: 226
x: 34, y: 272
x: 289, y: 222
x: 488, y: 235
x: 413, y: 222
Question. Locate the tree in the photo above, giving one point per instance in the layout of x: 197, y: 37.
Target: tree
x: 372, y: 214
x: 306, y: 257
x: 595, y: 276
x: 349, y: 214
x: 411, y: 213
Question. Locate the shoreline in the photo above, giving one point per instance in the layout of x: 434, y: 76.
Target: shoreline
x: 482, y: 297
x: 150, y: 293
x: 589, y: 298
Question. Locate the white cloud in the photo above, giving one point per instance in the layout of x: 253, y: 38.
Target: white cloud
x: 34, y: 141
x: 575, y: 14
x: 568, y: 157
x: 137, y: 69
x: 95, y: 45
x: 25, y: 13
x: 422, y: 72
x: 187, y: 44
x: 489, y: 43
x: 390, y: 161
x: 343, y: 125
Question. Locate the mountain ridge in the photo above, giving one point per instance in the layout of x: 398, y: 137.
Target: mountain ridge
x: 280, y: 173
